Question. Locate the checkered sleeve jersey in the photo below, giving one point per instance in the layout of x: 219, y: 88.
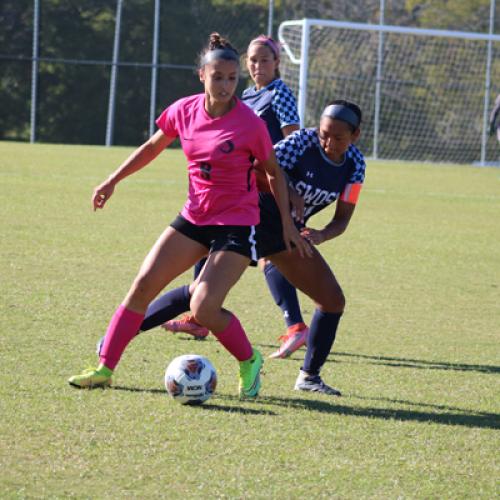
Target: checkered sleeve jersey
x: 314, y: 176
x: 284, y: 105
x: 275, y: 104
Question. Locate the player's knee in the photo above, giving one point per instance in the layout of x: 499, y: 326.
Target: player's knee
x: 335, y: 301
x: 192, y: 287
x: 203, y: 309
x: 340, y: 301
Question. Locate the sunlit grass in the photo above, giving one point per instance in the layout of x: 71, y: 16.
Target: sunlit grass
x: 416, y: 357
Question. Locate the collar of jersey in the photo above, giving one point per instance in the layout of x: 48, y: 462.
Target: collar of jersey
x: 267, y: 87
x: 212, y: 118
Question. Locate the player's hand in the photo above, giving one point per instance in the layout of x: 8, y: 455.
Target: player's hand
x: 102, y: 194
x: 314, y: 236
x: 297, y: 203
x: 292, y: 235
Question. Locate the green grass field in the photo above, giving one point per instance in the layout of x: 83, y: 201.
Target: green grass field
x: 417, y: 354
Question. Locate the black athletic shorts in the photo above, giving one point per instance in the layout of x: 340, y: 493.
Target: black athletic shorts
x: 239, y: 239
x: 270, y: 229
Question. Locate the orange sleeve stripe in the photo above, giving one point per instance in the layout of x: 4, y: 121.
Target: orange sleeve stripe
x: 351, y: 193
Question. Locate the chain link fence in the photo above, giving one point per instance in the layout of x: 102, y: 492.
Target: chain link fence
x: 67, y: 49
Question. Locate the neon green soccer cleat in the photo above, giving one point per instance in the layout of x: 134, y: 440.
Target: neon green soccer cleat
x: 92, y: 377
x: 250, y: 375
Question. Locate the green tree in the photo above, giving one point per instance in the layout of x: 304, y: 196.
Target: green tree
x: 73, y: 94
x: 461, y: 15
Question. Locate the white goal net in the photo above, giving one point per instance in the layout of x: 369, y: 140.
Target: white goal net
x: 425, y: 94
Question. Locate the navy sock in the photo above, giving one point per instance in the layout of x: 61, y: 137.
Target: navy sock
x: 284, y: 294
x: 199, y: 266
x: 168, y: 306
x: 320, y: 341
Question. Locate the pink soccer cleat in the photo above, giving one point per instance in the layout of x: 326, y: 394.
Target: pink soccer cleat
x: 294, y: 338
x: 187, y: 324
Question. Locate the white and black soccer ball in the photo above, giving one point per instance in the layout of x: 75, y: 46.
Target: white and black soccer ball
x: 190, y: 379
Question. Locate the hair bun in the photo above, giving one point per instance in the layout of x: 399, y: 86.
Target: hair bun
x: 215, y: 41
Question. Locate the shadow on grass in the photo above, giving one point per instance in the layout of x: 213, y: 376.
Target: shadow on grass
x: 396, y: 362
x: 163, y: 392
x: 235, y: 409
x: 462, y: 418
x: 419, y: 363
x: 412, y: 403
x: 205, y: 406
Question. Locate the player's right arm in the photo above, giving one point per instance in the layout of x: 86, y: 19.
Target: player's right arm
x: 279, y: 188
x: 141, y: 157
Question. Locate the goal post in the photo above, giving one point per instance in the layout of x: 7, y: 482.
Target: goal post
x: 425, y: 94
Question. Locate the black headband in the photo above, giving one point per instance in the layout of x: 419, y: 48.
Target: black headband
x: 343, y: 113
x: 216, y: 54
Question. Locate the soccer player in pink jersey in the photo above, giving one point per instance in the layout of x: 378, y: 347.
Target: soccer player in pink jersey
x: 219, y: 136
x: 272, y: 100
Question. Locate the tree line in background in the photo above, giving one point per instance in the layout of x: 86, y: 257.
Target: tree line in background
x: 73, y: 96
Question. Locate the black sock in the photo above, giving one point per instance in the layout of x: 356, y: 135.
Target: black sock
x: 168, y: 306
x: 284, y: 294
x: 320, y: 340
x: 198, y: 267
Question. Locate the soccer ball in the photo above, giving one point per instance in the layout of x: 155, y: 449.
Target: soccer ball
x: 190, y: 379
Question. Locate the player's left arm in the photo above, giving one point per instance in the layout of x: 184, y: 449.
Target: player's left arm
x: 335, y: 227
x: 344, y: 210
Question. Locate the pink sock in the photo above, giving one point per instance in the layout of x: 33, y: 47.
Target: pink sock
x: 235, y: 340
x: 121, y: 330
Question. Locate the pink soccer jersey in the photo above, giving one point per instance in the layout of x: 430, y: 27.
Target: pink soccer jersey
x: 222, y: 188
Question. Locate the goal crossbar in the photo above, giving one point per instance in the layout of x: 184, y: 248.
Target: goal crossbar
x: 386, y: 28
x: 300, y: 56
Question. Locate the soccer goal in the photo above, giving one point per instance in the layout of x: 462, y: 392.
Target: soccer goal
x: 425, y: 94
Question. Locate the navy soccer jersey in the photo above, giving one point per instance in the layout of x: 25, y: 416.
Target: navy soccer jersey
x: 275, y: 104
x: 314, y: 176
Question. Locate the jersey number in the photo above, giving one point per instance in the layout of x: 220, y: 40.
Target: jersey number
x: 205, y: 170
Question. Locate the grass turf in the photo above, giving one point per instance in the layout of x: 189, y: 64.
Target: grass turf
x: 417, y: 354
